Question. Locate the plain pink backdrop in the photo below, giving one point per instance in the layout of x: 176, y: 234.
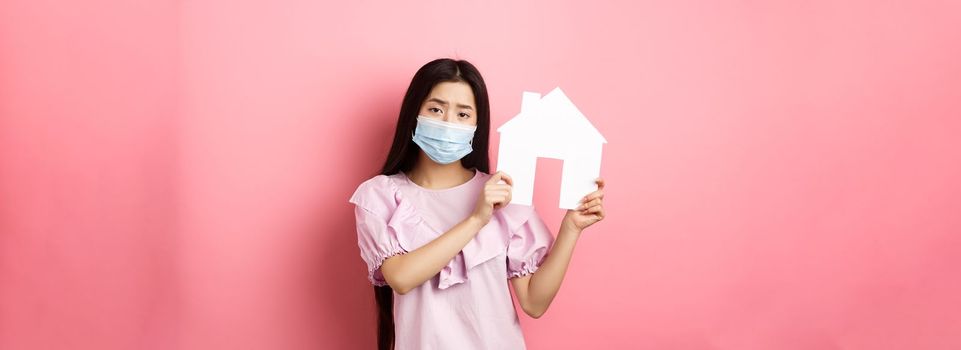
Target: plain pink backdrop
x: 782, y: 174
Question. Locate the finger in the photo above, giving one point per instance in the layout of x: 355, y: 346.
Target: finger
x: 593, y: 195
x: 495, y: 177
x: 592, y: 219
x: 593, y: 210
x: 500, y: 202
x: 496, y: 199
x: 600, y: 183
x: 498, y: 191
x: 506, y: 194
x: 582, y: 205
x: 499, y: 187
x: 498, y: 196
x: 588, y: 204
x: 501, y: 176
x: 507, y: 178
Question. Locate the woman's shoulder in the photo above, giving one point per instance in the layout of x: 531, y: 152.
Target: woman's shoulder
x: 376, y: 192
x: 483, y: 175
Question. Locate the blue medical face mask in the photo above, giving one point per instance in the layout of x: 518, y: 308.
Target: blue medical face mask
x: 443, y: 142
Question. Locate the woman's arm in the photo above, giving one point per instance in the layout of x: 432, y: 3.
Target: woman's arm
x: 536, y: 291
x: 405, y: 272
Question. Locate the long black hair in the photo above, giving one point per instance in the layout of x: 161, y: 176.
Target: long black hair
x: 404, y: 152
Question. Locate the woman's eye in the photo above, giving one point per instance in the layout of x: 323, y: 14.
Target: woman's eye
x: 464, y: 115
x: 434, y: 109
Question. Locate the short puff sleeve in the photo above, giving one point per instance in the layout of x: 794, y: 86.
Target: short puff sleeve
x: 382, y: 224
x: 529, y: 244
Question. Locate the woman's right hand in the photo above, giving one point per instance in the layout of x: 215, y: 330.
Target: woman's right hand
x: 494, y: 196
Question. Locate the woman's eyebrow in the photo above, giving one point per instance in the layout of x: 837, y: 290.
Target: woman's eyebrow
x: 461, y: 106
x: 434, y: 99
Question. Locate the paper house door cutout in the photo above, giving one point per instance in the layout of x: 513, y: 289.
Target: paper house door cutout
x: 550, y: 127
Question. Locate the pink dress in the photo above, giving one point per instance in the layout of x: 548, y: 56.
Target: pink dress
x: 467, y: 305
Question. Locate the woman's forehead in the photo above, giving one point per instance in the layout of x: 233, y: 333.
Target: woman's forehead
x: 458, y: 93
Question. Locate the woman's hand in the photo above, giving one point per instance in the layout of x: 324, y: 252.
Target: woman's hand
x: 494, y: 196
x: 589, y: 212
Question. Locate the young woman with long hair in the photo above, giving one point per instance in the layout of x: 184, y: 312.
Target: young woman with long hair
x: 439, y: 235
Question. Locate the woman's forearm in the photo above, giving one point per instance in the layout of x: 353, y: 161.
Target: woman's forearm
x: 545, y: 283
x: 405, y: 272
x: 536, y: 292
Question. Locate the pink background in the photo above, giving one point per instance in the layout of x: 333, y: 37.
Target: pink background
x: 782, y: 175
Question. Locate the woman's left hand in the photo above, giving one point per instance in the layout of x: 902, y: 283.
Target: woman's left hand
x: 589, y: 212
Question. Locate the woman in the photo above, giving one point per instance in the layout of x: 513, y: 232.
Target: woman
x: 438, y: 233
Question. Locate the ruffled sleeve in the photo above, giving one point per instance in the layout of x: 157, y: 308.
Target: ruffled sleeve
x: 380, y: 228
x: 529, y: 244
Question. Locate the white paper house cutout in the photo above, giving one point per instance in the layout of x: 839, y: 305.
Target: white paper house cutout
x: 550, y: 127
